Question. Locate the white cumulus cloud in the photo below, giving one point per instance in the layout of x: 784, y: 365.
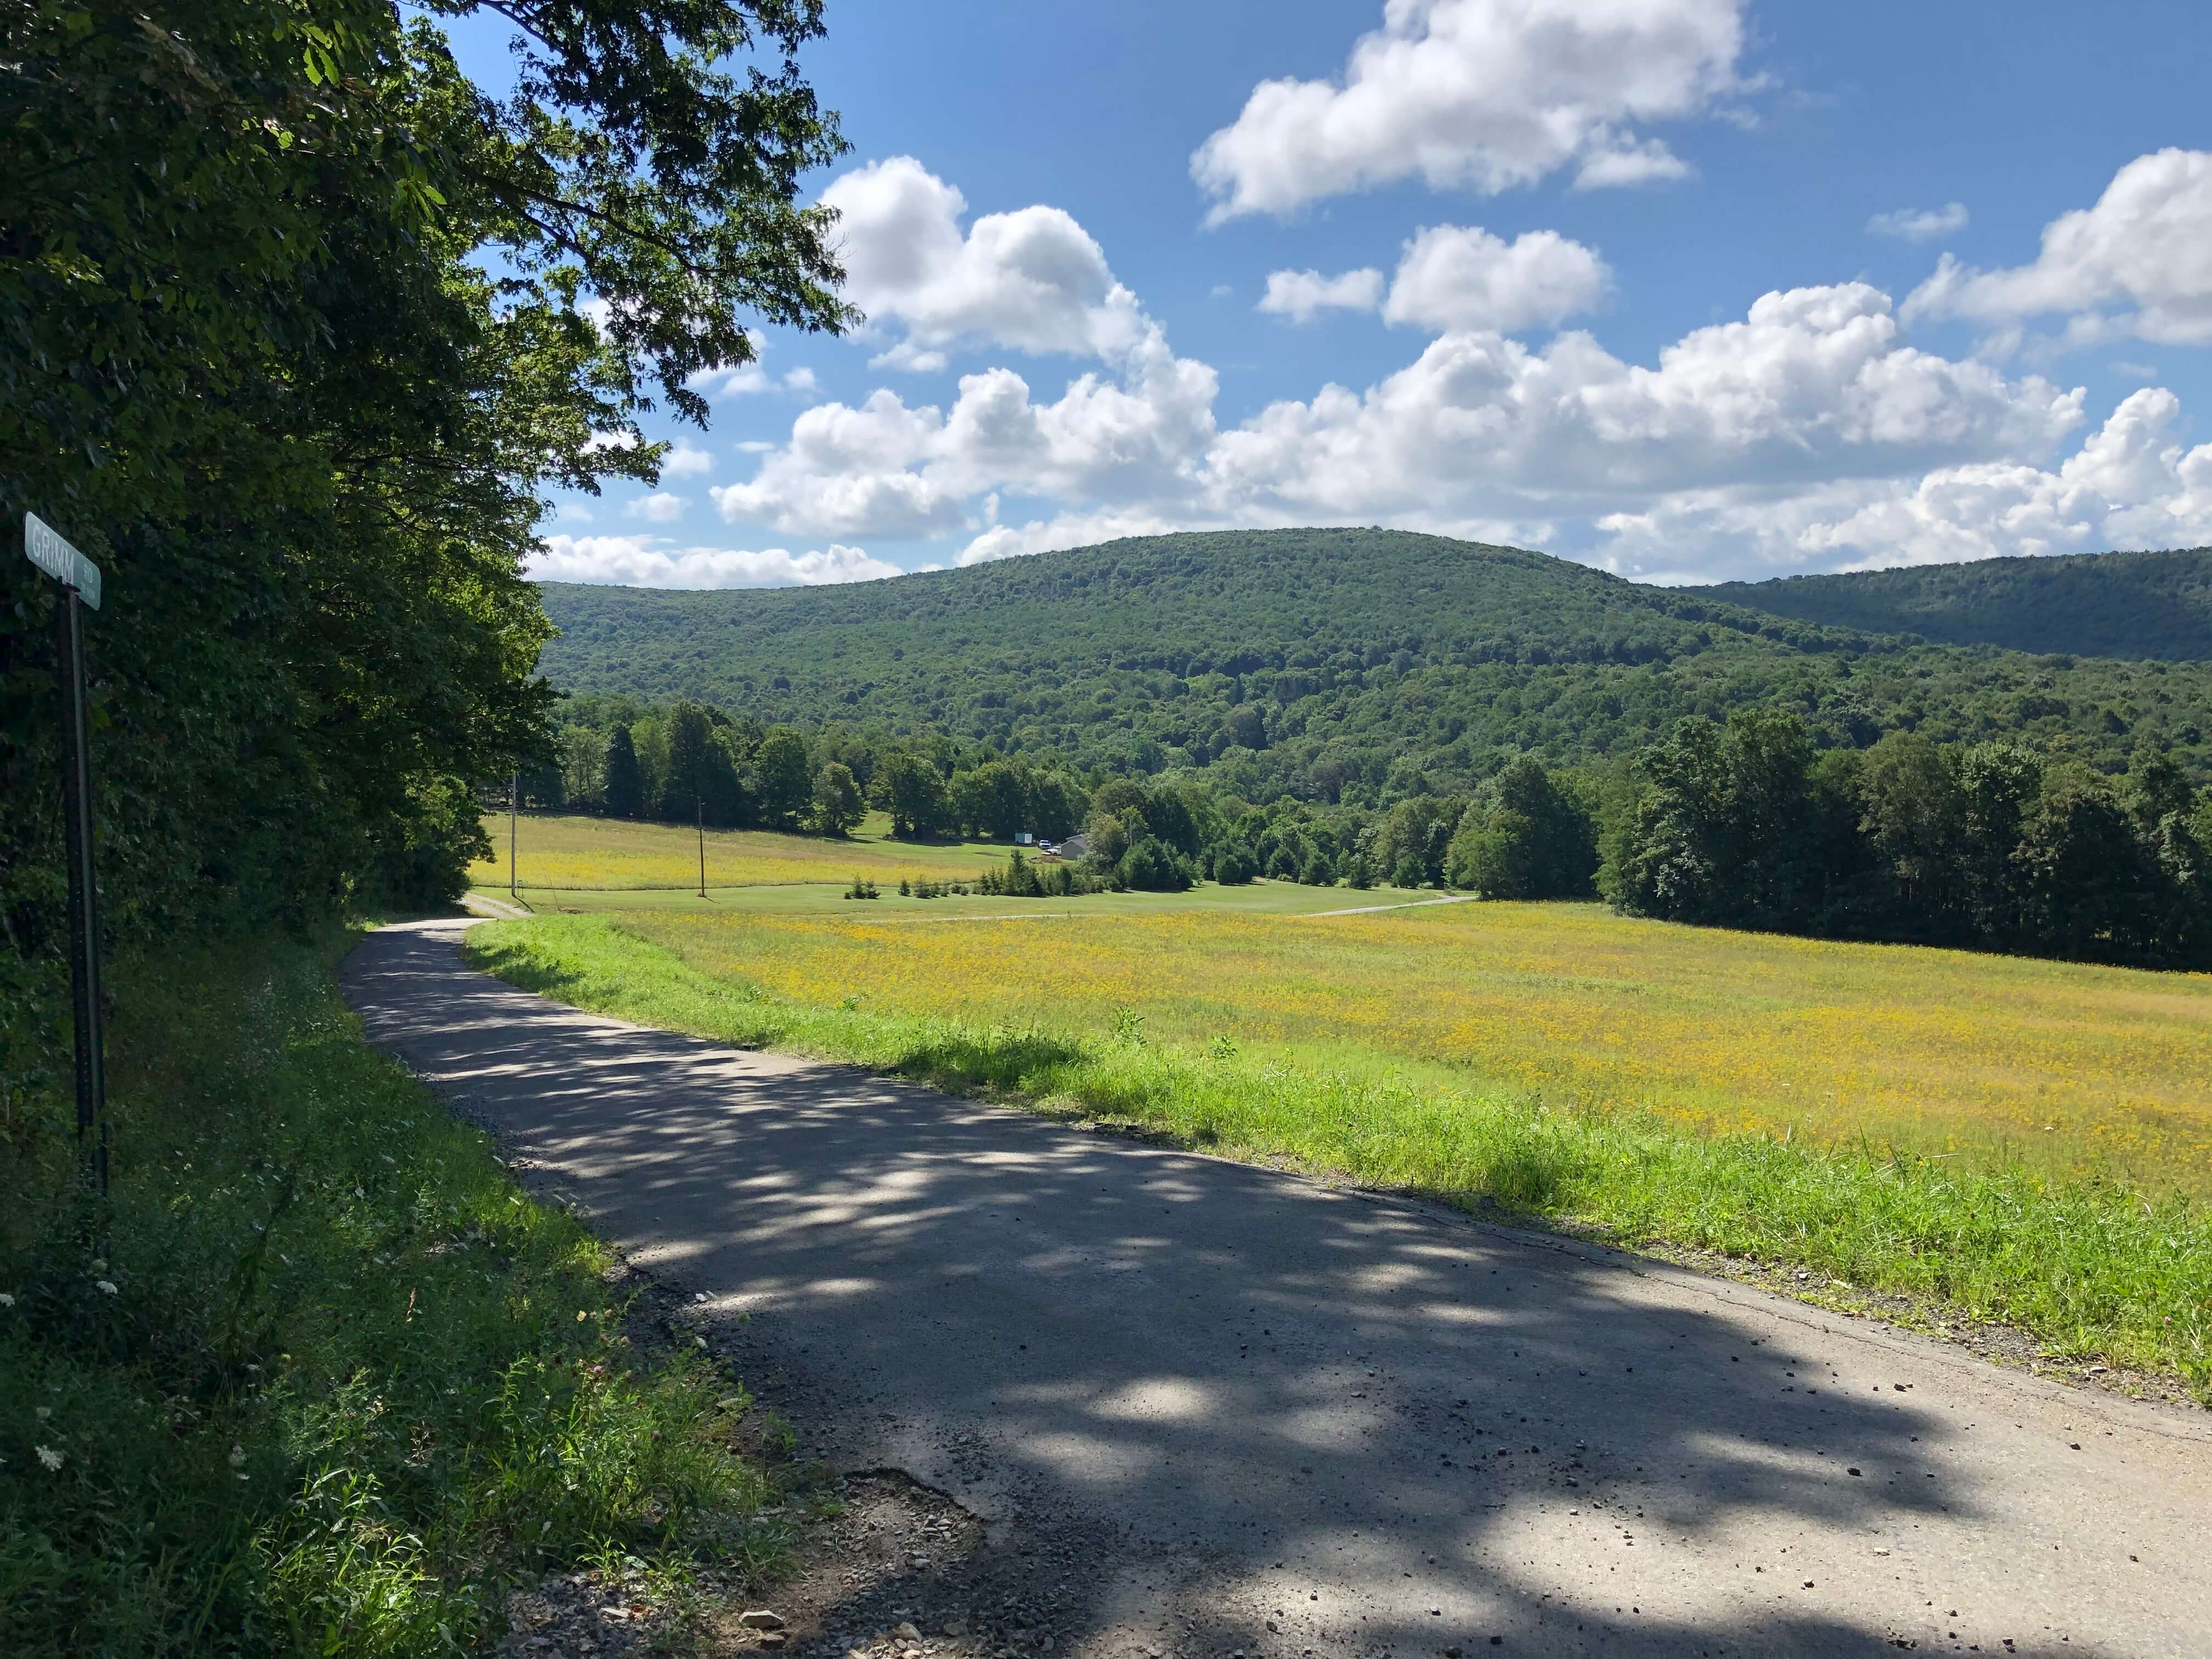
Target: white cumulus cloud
x: 651, y: 561
x: 1813, y: 383
x: 1920, y: 224
x: 1807, y: 433
x: 683, y: 461
x: 846, y: 472
x: 1302, y: 295
x: 659, y: 508
x: 1455, y: 278
x: 1481, y: 94
x: 1033, y: 280
x: 2136, y: 263
x: 2130, y: 485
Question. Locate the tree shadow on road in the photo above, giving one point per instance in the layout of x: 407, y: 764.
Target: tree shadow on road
x: 1294, y: 1417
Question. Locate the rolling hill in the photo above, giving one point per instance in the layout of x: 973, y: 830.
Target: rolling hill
x: 2090, y: 604
x: 1317, y: 660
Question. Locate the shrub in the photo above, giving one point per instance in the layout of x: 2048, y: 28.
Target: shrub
x: 1151, y: 867
x: 1234, y: 867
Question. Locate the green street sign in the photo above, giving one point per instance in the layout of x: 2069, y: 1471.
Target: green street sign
x: 44, y: 547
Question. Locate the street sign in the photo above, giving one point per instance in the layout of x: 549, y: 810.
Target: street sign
x: 79, y: 579
x: 46, y: 550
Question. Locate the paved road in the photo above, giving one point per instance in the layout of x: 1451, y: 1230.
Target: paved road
x: 1306, y: 1421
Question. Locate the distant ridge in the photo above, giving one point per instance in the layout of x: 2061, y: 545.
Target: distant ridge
x: 1313, y: 660
x: 2134, y: 605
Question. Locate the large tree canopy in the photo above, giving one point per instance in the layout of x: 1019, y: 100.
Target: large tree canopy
x: 300, y: 321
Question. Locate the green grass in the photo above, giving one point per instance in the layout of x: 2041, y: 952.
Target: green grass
x: 319, y: 1377
x: 2094, y: 1269
x: 829, y: 899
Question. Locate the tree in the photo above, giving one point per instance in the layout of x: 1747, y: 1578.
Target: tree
x: 625, y: 782
x: 1151, y: 866
x: 1106, y: 836
x: 1233, y: 867
x: 992, y: 800
x: 1913, y: 812
x: 1057, y: 805
x: 1411, y: 839
x: 782, y: 781
x: 297, y: 337
x: 912, y: 792
x: 683, y: 785
x: 1730, y: 831
x: 1999, y: 784
x: 1523, y: 838
x: 583, y: 767
x: 838, y: 807
x: 2092, y: 890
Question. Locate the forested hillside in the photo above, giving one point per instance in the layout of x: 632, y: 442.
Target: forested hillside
x: 2090, y: 604
x: 1316, y: 661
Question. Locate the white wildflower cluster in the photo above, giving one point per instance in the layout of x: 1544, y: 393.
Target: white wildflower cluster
x: 52, y: 1459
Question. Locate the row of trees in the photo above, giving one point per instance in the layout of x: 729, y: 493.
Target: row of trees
x: 1993, y: 845
x: 693, y: 760
x: 1989, y: 846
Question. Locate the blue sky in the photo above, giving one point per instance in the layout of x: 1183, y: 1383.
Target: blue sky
x: 1691, y: 290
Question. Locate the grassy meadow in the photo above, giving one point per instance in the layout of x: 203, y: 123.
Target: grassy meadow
x: 1994, y: 1137
x: 2072, y: 1069
x: 558, y: 853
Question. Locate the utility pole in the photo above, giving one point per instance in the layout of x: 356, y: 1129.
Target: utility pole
x: 699, y: 803
x: 514, y: 793
x: 79, y: 579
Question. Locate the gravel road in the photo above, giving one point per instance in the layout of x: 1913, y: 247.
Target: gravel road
x: 1208, y: 1408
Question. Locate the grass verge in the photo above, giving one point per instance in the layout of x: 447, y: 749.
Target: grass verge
x: 2094, y: 1269
x: 318, y: 1377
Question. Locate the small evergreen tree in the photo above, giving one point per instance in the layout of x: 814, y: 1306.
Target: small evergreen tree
x: 1151, y: 866
x: 1233, y: 867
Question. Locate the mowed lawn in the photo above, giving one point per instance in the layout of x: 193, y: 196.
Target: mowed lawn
x: 555, y: 852
x: 1988, y: 1059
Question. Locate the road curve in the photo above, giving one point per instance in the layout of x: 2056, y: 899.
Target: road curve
x: 1283, y: 1417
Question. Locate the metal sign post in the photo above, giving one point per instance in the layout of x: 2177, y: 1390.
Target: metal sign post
x: 79, y: 579
x: 699, y: 805
x: 513, y: 796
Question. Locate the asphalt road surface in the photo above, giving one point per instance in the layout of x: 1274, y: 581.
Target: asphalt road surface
x: 1265, y: 1414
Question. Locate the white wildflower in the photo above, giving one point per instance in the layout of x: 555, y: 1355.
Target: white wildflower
x: 6, y: 1300
x: 107, y: 1286
x: 52, y: 1459
x: 45, y: 1411
x: 238, y: 1457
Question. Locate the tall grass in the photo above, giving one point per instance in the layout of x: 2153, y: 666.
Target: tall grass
x: 317, y: 1376
x: 2093, y: 1268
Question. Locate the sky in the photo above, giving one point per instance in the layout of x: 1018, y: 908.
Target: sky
x: 1692, y: 291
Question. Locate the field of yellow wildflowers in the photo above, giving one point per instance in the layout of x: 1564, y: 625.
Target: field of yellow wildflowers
x: 556, y: 852
x: 1989, y: 1138
x: 2067, y: 1067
